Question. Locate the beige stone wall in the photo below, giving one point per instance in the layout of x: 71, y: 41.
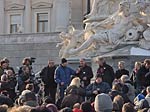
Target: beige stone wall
x: 42, y: 46
x: 77, y: 13
x: 58, y: 14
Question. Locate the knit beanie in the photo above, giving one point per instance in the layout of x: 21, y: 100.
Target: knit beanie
x: 103, y: 103
x: 63, y: 60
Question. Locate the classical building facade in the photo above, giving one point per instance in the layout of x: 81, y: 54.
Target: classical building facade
x: 31, y: 27
x: 38, y: 16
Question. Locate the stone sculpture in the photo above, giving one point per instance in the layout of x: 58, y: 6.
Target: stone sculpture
x: 101, y: 9
x: 70, y: 40
x: 128, y: 25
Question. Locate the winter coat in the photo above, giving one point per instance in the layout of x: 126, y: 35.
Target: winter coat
x: 148, y: 99
x: 47, y: 75
x: 142, y: 80
x: 114, y: 93
x: 80, y: 90
x: 63, y: 74
x: 131, y: 91
x: 107, y: 73
x: 85, y: 71
x: 102, y: 87
x: 121, y: 72
x: 71, y: 99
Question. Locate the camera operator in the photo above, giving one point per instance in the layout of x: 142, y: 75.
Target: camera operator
x: 25, y: 77
x: 97, y: 87
x: 27, y: 61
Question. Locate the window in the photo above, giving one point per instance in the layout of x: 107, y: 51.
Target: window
x: 15, y: 23
x: 42, y: 22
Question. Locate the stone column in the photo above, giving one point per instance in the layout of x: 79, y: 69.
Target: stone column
x: 62, y: 15
x: 28, y: 17
x: 2, y: 16
x: 88, y: 6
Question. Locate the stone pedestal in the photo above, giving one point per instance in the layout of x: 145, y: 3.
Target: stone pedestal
x: 2, y: 16
x: 113, y: 61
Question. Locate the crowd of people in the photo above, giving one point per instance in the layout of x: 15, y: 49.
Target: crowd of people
x: 65, y: 89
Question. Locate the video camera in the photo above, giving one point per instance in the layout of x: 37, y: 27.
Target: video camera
x: 32, y: 60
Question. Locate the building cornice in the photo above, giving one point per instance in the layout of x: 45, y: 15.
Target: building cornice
x: 15, y: 7
x: 40, y: 5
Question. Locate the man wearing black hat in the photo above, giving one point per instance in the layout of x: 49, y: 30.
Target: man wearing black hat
x: 97, y: 87
x: 63, y: 75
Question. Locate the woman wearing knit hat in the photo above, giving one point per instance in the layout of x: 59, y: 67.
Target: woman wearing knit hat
x: 103, y: 103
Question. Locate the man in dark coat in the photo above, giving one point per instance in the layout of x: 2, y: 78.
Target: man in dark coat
x: 106, y: 71
x: 84, y: 72
x: 121, y: 70
x: 143, y: 80
x: 97, y: 87
x: 47, y: 75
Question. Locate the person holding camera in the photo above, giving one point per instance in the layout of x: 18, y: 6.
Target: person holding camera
x: 27, y: 61
x: 24, y: 78
x: 97, y: 87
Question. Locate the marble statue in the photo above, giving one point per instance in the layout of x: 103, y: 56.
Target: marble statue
x: 146, y: 34
x: 70, y: 40
x: 129, y: 25
x: 119, y: 25
x: 145, y: 42
x: 101, y: 9
x: 134, y: 33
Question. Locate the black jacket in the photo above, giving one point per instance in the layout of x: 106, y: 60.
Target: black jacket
x: 47, y: 75
x: 80, y: 90
x: 102, y: 87
x: 141, y: 79
x: 6, y: 100
x: 107, y: 73
x: 85, y: 72
x: 114, y: 93
x: 121, y: 72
